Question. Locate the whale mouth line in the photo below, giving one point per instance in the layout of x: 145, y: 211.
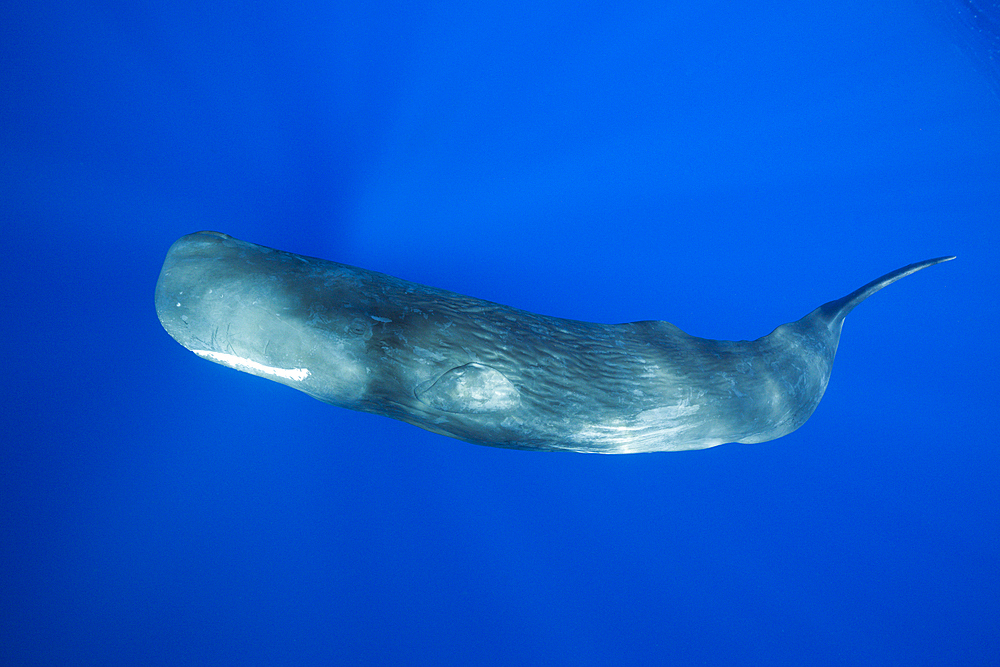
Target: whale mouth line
x: 248, y: 365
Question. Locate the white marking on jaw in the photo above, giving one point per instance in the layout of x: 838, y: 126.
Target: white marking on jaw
x: 241, y: 364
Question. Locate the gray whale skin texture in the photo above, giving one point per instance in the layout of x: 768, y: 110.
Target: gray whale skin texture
x: 486, y: 373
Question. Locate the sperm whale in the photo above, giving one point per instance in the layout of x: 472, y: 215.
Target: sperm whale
x: 487, y: 373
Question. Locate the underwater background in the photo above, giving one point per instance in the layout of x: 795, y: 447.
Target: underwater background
x: 726, y: 168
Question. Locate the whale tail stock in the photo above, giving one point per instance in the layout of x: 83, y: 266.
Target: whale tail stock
x: 804, y: 353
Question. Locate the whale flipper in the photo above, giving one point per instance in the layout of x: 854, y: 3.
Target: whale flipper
x: 470, y: 389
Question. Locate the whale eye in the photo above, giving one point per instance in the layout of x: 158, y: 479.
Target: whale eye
x: 359, y: 328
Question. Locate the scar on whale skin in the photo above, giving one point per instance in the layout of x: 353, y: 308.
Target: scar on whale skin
x: 486, y: 373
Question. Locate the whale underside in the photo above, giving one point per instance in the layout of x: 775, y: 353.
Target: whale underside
x: 487, y: 373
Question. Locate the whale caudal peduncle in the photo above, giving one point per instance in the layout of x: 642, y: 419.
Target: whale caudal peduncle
x: 486, y: 373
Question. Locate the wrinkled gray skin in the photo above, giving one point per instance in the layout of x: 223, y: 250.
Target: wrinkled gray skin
x: 487, y: 373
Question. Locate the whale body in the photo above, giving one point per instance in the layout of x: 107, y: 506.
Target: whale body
x: 487, y: 373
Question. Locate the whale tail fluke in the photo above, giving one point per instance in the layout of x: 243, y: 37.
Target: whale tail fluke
x: 835, y: 311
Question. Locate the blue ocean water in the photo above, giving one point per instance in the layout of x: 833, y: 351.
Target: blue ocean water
x: 727, y: 169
